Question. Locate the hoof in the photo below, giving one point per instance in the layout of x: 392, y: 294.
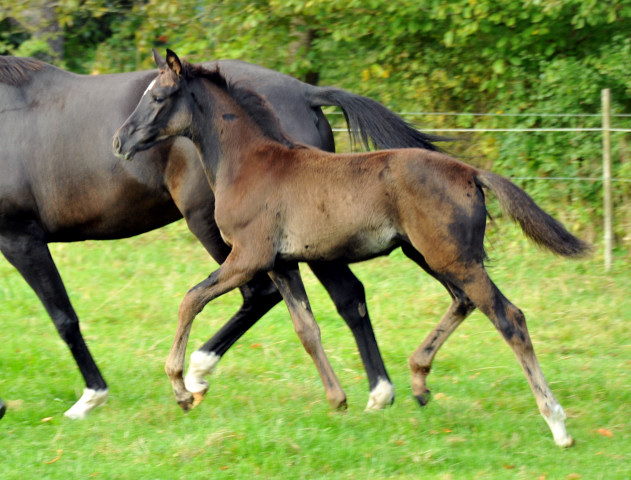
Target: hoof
x: 3, y: 409
x: 381, y: 396
x: 187, y: 403
x: 338, y: 405
x: 424, y: 398
x: 198, y: 397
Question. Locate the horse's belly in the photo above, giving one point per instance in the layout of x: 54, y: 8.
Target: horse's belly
x: 339, y: 244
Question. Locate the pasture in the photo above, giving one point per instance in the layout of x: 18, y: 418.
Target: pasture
x: 266, y: 416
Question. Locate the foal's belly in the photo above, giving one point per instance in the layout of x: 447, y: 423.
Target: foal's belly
x: 337, y: 244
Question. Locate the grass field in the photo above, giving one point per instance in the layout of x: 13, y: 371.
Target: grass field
x: 266, y: 416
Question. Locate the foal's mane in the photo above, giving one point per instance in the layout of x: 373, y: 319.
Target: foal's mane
x: 254, y: 105
x: 17, y: 71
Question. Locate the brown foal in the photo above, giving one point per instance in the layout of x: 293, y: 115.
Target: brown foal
x: 279, y: 203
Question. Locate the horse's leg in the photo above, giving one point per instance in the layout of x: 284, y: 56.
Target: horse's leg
x: 287, y: 279
x: 230, y: 275
x: 421, y: 360
x: 193, y: 197
x: 259, y: 296
x: 31, y: 257
x: 511, y: 323
x: 347, y: 292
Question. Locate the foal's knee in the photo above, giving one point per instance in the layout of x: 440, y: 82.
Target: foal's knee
x: 309, y: 336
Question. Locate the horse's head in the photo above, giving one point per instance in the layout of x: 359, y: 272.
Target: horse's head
x: 161, y: 113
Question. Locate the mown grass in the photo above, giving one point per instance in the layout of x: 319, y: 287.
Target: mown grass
x: 265, y: 415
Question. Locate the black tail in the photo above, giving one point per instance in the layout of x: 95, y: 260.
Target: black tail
x: 369, y: 121
x: 539, y: 226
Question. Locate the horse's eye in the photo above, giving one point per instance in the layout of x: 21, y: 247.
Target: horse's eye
x: 158, y: 98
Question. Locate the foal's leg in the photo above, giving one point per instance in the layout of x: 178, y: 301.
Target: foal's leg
x: 230, y: 275
x: 347, y: 292
x: 290, y: 285
x: 31, y: 257
x: 460, y: 308
x: 421, y: 360
x: 259, y: 296
x: 193, y: 197
x: 511, y: 323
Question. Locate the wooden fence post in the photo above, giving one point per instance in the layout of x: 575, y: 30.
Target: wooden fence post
x: 607, y: 201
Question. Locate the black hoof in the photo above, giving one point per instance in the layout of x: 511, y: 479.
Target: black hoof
x: 3, y: 408
x: 424, y: 398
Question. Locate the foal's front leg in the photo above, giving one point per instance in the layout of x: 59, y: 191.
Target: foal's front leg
x: 226, y: 278
x: 288, y: 281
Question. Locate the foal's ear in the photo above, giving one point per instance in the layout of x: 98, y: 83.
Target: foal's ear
x: 158, y: 59
x: 174, y: 62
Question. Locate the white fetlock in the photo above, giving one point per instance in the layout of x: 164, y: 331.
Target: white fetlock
x: 381, y: 396
x: 201, y: 364
x: 556, y: 422
x: 88, y: 402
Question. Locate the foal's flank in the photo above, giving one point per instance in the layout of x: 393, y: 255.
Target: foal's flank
x: 279, y: 203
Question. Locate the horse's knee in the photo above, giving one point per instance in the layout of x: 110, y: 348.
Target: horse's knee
x: 351, y: 305
x: 68, y: 328
x: 309, y: 336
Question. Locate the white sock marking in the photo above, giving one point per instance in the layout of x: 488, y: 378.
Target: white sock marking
x: 202, y: 364
x: 556, y: 422
x: 381, y: 396
x: 88, y: 402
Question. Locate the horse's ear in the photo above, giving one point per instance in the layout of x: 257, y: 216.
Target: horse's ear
x: 174, y: 62
x: 160, y: 62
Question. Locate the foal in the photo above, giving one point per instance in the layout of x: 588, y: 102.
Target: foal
x: 279, y: 203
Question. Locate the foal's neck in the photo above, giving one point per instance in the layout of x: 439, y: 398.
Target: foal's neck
x: 224, y: 132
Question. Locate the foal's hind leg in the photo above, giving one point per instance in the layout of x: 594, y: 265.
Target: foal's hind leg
x: 511, y: 323
x: 287, y: 279
x: 347, y: 292
x: 421, y: 360
x: 460, y: 308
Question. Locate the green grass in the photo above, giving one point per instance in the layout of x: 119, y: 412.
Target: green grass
x: 266, y: 416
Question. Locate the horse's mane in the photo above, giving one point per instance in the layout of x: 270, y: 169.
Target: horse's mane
x: 251, y: 102
x: 17, y: 71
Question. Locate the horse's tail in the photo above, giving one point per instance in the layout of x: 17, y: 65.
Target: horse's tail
x: 369, y: 121
x: 538, y: 225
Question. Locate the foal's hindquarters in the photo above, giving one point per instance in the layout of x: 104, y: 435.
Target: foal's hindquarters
x: 457, y: 261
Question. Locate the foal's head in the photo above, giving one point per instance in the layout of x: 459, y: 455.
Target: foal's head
x: 163, y: 111
x: 166, y: 108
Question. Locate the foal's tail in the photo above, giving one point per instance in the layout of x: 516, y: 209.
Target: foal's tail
x: 536, y: 224
x: 368, y: 120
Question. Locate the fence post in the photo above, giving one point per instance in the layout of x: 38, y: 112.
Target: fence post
x: 607, y: 202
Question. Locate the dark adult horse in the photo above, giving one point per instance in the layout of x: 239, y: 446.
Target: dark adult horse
x: 60, y: 182
x: 303, y: 204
